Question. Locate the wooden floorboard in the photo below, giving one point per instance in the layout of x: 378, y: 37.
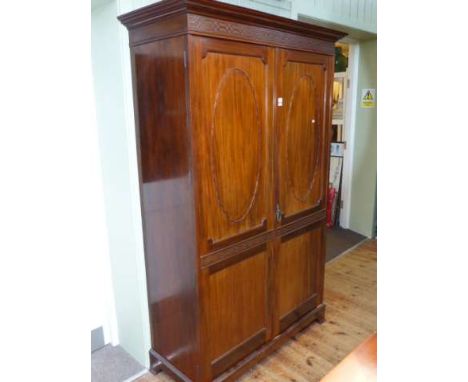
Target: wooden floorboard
x: 351, y: 317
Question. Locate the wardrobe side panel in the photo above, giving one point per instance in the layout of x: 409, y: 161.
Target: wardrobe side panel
x: 167, y: 199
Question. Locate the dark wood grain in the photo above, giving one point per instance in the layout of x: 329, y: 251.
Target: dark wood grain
x: 234, y: 355
x: 155, y: 14
x: 253, y: 358
x: 162, y: 363
x: 228, y: 279
x: 247, y: 243
x: 231, y: 134
x: 167, y: 200
x: 296, y: 272
x: 213, y: 245
x: 226, y: 262
x: 298, y: 312
x: 350, y: 294
x: 236, y: 305
x: 210, y: 26
x: 302, y: 125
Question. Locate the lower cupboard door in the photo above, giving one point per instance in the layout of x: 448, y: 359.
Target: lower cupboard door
x: 299, y: 275
x: 236, y: 311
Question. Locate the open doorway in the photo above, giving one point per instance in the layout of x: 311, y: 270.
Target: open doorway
x: 339, y: 237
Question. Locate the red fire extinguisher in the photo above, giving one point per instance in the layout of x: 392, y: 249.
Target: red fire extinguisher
x: 330, y: 204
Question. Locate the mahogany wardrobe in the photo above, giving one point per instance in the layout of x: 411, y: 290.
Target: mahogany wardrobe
x: 233, y: 116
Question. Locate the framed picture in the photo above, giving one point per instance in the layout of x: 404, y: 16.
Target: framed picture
x: 337, y: 149
x: 334, y: 184
x: 339, y: 84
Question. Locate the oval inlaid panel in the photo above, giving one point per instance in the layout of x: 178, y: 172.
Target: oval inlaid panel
x: 235, y: 145
x: 303, y: 136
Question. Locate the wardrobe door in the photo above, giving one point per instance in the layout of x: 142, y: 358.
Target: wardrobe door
x: 299, y: 275
x: 230, y: 88
x: 301, y: 127
x: 230, y: 91
x: 302, y: 121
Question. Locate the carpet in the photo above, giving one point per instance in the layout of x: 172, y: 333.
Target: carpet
x: 340, y: 240
x: 113, y: 364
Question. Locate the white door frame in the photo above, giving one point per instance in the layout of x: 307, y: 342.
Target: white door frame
x: 348, y: 133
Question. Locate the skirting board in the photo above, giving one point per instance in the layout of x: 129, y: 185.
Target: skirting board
x: 97, y: 339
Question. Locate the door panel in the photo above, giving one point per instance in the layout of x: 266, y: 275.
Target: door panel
x: 236, y: 311
x: 230, y: 119
x: 298, y: 270
x: 302, y: 132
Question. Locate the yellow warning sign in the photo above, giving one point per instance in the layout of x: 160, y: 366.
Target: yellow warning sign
x: 368, y: 98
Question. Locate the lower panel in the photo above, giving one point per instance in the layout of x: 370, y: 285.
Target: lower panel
x: 297, y: 268
x: 237, y: 309
x: 252, y: 359
x: 294, y: 315
x: 230, y: 358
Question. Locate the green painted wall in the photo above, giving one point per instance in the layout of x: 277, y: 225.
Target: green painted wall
x: 356, y: 14
x: 364, y: 178
x: 122, y: 203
